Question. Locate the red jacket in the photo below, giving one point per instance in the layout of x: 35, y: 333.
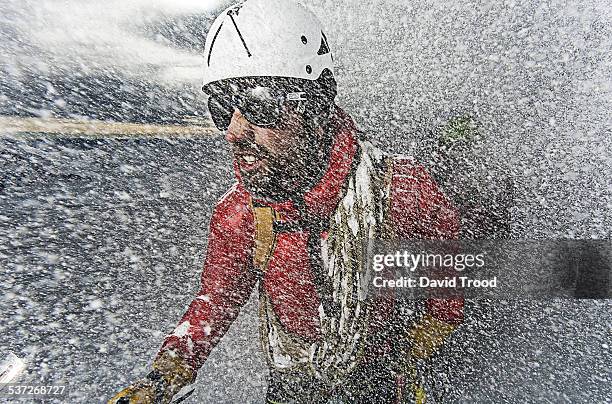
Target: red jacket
x: 418, y: 210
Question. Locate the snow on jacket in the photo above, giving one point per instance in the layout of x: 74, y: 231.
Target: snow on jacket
x: 302, y: 309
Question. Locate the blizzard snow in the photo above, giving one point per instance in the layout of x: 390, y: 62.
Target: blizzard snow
x: 102, y: 240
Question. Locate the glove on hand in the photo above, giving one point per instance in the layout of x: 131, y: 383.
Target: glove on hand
x: 428, y: 335
x: 141, y: 392
x: 170, y: 374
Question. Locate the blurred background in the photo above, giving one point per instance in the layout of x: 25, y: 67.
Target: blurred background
x: 102, y: 238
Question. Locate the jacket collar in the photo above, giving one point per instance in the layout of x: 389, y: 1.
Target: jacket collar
x: 322, y: 199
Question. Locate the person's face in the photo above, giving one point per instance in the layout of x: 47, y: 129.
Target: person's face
x: 276, y: 163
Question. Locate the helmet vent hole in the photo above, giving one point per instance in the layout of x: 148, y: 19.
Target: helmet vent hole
x: 308, y: 69
x: 304, y: 40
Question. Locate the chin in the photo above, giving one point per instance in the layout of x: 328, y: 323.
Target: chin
x: 269, y: 189
x: 260, y: 186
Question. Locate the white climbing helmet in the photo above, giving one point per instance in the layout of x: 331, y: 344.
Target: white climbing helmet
x: 258, y: 38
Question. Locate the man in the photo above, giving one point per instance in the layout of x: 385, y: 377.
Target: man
x: 310, y: 189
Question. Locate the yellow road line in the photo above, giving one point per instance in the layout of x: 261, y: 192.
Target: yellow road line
x: 10, y: 125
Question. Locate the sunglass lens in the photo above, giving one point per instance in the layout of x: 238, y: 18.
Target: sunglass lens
x: 221, y: 112
x: 261, y: 106
x: 261, y: 114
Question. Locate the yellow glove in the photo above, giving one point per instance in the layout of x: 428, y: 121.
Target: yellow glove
x: 428, y: 335
x: 141, y: 392
x: 170, y: 374
x: 425, y: 338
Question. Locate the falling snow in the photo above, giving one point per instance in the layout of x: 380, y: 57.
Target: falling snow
x: 102, y: 239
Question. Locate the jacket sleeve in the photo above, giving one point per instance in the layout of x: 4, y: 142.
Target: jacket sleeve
x: 226, y: 284
x: 420, y: 210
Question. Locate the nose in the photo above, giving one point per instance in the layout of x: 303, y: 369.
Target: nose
x: 239, y: 129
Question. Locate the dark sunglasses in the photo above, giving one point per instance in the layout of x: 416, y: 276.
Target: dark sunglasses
x: 260, y: 105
